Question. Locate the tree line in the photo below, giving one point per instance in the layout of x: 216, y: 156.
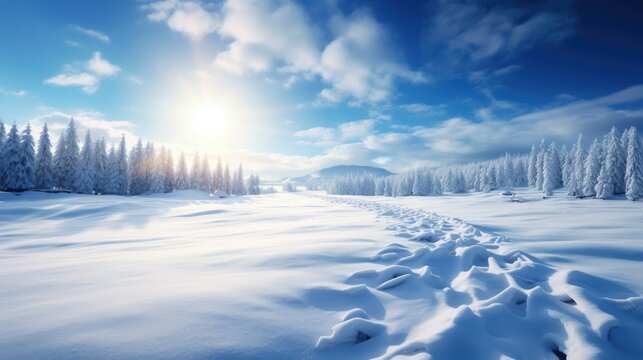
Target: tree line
x: 94, y: 169
x: 611, y: 166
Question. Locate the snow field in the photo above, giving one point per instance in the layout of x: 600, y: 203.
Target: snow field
x: 169, y: 276
x: 288, y: 276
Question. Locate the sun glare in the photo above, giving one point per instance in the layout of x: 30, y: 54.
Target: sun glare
x: 209, y: 121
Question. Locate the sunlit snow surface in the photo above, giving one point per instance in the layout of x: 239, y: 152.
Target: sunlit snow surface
x: 291, y: 276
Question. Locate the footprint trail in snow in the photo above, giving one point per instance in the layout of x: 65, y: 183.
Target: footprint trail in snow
x: 450, y: 291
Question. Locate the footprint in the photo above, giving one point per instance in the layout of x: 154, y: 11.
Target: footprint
x: 398, y: 280
x: 351, y: 332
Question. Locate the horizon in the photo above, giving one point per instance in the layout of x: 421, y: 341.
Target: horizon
x: 364, y: 82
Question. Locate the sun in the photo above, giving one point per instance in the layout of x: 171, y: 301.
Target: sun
x: 209, y: 120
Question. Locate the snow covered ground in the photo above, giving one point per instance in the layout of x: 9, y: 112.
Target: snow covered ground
x: 291, y: 276
x: 602, y: 237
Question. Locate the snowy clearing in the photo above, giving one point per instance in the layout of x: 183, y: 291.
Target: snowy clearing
x: 286, y: 276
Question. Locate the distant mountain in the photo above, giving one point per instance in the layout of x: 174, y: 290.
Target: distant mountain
x: 329, y: 173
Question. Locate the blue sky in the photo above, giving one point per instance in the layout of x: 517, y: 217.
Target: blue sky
x: 287, y: 86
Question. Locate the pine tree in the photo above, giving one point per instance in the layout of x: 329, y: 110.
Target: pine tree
x: 388, y: 189
x: 379, y: 186
x: 3, y: 136
x: 121, y: 166
x: 550, y: 171
x: 149, y: 165
x: 520, y: 173
x: 195, y: 173
x: 204, y: 178
x: 100, y: 166
x: 27, y: 159
x: 579, y: 167
x: 44, y: 161
x: 449, y: 184
x: 621, y: 162
x: 59, y: 162
x: 137, y: 184
x: 508, y: 173
x: 566, y: 165
x: 111, y: 172
x: 609, y: 177
x: 227, y: 182
x: 572, y: 182
x: 542, y: 153
x: 485, y: 185
x: 557, y: 166
x: 12, y: 161
x: 634, y: 170
x: 532, y: 165
x: 461, y: 184
x: 71, y: 157
x: 235, y: 182
x: 625, y: 137
x: 168, y: 169
x: 437, y: 185
x: 239, y: 187
x: 253, y: 185
x: 157, y: 179
x: 422, y: 182
x: 84, y: 180
x: 217, y: 179
x: 182, y: 178
x: 592, y: 168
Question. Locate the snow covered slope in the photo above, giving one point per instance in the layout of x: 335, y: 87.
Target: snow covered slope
x: 287, y: 276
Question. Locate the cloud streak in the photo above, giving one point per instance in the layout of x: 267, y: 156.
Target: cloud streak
x: 16, y: 93
x: 89, y: 32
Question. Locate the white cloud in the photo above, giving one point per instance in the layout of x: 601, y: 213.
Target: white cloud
x: 320, y: 136
x: 101, y: 67
x: 362, y: 62
x: 89, y: 32
x: 87, y: 82
x: 264, y: 33
x: 87, y: 77
x: 188, y: 18
x: 356, y: 129
x: 382, y: 160
x: 359, y: 62
x: 326, y: 136
x: 355, y: 57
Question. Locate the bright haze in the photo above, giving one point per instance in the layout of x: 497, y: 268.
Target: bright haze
x: 288, y: 87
